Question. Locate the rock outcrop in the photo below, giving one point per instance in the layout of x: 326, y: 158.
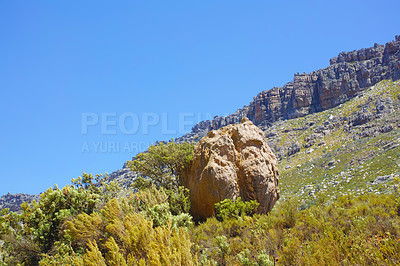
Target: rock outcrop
x: 124, y: 177
x: 348, y: 74
x: 234, y: 161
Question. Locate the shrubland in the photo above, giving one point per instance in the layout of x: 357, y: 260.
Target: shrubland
x: 95, y: 222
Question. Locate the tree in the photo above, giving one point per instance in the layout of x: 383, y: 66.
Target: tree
x: 164, y: 163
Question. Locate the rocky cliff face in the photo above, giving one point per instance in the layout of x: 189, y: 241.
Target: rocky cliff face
x: 347, y: 75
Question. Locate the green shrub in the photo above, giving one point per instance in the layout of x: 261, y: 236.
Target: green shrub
x: 179, y: 201
x: 228, y: 208
x: 287, y: 212
x: 159, y: 214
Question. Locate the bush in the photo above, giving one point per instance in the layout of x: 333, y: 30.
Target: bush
x: 38, y: 229
x: 123, y: 237
x: 228, y: 208
x: 179, y: 201
x: 80, y: 225
x: 287, y: 212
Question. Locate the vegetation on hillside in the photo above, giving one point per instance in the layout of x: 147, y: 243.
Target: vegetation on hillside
x: 340, y: 203
x: 90, y: 222
x: 350, y: 149
x: 140, y: 230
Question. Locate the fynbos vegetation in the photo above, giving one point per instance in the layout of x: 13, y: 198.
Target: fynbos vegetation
x: 91, y: 222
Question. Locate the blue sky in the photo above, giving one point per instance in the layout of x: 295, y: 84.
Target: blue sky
x: 76, y: 74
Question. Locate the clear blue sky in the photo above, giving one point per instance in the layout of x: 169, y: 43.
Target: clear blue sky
x: 68, y: 63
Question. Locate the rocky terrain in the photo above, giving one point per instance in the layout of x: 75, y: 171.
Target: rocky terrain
x: 124, y: 177
x: 348, y: 74
x: 334, y: 131
x: 349, y: 149
x: 13, y: 201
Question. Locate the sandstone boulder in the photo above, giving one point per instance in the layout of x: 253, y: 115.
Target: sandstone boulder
x: 234, y: 161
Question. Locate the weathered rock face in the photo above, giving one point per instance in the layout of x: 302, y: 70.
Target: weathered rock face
x: 347, y: 75
x: 234, y: 161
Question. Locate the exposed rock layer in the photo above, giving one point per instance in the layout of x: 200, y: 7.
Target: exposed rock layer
x: 347, y: 75
x: 234, y: 161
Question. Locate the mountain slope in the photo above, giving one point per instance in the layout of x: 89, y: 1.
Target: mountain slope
x: 349, y: 149
x: 347, y: 75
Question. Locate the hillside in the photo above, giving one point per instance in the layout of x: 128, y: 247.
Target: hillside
x: 350, y: 149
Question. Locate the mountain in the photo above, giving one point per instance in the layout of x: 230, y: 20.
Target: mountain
x: 348, y: 74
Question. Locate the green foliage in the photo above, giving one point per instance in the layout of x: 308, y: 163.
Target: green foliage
x: 141, y: 183
x: 58, y: 259
x: 147, y: 198
x: 38, y: 229
x: 223, y: 249
x: 123, y: 236
x: 287, y: 213
x: 114, y: 256
x: 159, y: 214
x: 351, y: 230
x: 228, y: 208
x: 93, y: 255
x: 262, y: 259
x: 85, y: 224
x: 45, y: 218
x: 244, y: 258
x: 179, y: 201
x: 154, y: 204
x: 181, y: 220
x: 163, y: 163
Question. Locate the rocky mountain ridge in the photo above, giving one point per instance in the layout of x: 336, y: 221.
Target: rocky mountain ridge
x: 348, y: 74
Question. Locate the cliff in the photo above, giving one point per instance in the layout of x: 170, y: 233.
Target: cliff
x: 348, y: 74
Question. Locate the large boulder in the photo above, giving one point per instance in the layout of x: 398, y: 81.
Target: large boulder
x: 234, y: 161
